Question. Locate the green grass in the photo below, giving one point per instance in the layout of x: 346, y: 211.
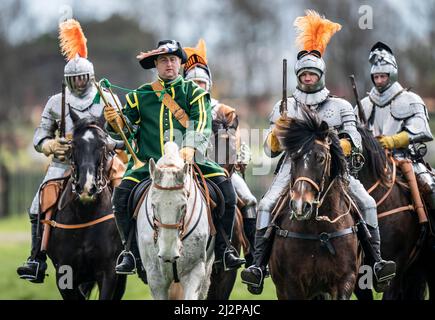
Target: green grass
x: 14, y: 250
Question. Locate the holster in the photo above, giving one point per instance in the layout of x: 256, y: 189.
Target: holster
x: 408, y: 171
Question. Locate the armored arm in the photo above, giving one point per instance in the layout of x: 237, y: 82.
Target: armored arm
x: 271, y: 144
x: 418, y: 125
x: 348, y: 125
x: 48, y: 125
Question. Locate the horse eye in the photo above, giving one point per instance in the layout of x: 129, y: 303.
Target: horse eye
x: 320, y: 158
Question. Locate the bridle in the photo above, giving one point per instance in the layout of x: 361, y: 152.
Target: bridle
x: 181, y: 226
x: 321, y: 194
x: 102, y: 178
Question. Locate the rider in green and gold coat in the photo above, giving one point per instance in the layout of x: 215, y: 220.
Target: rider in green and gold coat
x: 155, y: 125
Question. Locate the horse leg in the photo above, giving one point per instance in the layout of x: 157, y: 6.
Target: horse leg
x: 194, y: 282
x: 120, y: 287
x: 72, y: 294
x: 345, y: 287
x: 107, y: 285
x: 221, y: 284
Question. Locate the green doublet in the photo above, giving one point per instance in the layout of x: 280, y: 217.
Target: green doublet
x: 156, y: 125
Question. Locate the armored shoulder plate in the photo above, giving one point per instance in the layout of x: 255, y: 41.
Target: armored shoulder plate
x: 367, y: 106
x: 406, y: 105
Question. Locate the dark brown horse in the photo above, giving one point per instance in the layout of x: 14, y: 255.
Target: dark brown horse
x: 402, y: 237
x: 315, y: 251
x: 224, y: 152
x: 84, y: 241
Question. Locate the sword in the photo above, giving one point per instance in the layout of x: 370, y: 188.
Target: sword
x: 62, y: 113
x: 283, y: 106
x: 361, y: 113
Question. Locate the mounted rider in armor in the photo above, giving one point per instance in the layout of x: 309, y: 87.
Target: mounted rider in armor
x: 338, y: 113
x: 79, y: 99
x: 196, y: 68
x: 399, y: 118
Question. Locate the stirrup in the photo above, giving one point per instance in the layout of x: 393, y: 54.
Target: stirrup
x: 385, y: 278
x: 33, y: 277
x: 119, y: 260
x: 253, y: 284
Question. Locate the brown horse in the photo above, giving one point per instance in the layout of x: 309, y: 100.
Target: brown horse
x: 84, y: 241
x: 315, y: 251
x: 224, y: 139
x: 402, y: 236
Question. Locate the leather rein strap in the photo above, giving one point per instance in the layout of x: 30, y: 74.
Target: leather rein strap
x: 409, y: 207
x: 55, y: 224
x: 171, y: 104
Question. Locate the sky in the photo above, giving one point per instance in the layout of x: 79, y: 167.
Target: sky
x: 41, y: 16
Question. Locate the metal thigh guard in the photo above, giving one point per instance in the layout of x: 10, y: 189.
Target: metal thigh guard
x: 242, y: 190
x: 426, y: 183
x: 276, y: 190
x: 55, y: 170
x: 365, y: 202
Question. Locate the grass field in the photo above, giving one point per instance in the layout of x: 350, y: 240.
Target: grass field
x: 14, y: 249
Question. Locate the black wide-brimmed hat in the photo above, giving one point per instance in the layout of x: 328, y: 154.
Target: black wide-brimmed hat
x: 146, y: 59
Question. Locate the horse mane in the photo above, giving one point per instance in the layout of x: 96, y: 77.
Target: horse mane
x: 171, y: 157
x: 297, y: 136
x: 82, y: 125
x: 375, y: 157
x: 225, y: 118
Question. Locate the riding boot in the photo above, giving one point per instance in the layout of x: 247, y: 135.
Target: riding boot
x: 126, y: 262
x: 224, y: 251
x: 254, y: 275
x: 384, y: 271
x: 35, y: 266
x: 249, y: 228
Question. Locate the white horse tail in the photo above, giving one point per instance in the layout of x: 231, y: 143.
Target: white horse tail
x: 176, y: 291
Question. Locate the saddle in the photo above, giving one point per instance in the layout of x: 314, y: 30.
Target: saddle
x: 140, y: 191
x: 49, y: 195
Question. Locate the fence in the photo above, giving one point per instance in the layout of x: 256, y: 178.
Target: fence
x: 17, y: 191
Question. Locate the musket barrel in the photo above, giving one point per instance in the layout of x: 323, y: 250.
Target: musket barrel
x: 137, y: 163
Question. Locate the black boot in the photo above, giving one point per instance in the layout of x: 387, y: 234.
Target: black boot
x: 249, y: 227
x: 126, y: 262
x: 224, y: 251
x: 35, y: 266
x: 254, y: 275
x: 384, y: 270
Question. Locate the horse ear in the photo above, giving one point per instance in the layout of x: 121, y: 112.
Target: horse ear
x: 186, y: 169
x: 324, y: 128
x: 235, y: 122
x: 100, y: 121
x: 152, y: 167
x: 74, y: 116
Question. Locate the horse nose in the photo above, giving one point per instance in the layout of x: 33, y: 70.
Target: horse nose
x: 307, y: 208
x: 293, y: 206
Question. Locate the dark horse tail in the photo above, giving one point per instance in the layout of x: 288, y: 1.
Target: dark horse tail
x: 374, y: 154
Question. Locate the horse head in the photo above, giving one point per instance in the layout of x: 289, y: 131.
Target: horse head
x: 317, y: 160
x: 224, y: 140
x: 169, y: 200
x: 88, y: 158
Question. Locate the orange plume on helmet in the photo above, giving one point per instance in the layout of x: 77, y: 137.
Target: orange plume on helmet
x: 72, y: 39
x: 199, y: 50
x: 196, y: 56
x: 314, y: 31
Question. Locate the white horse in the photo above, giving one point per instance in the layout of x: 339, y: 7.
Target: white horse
x: 173, y: 231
